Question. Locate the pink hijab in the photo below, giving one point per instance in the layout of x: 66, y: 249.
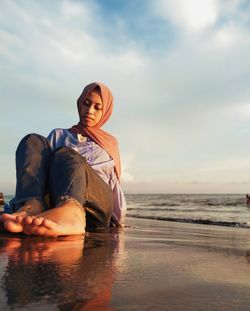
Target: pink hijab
x: 102, y: 138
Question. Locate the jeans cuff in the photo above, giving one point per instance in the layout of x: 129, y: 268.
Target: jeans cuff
x: 67, y: 198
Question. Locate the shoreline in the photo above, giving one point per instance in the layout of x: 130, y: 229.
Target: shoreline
x: 232, y: 224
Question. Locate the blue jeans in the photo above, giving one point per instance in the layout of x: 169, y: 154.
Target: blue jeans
x: 59, y: 174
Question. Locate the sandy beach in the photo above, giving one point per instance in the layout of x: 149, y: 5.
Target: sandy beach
x: 151, y: 265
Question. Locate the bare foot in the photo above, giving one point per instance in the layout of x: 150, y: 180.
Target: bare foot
x: 66, y: 219
x: 13, y: 222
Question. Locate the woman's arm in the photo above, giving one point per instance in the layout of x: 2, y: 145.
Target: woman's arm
x: 120, y: 205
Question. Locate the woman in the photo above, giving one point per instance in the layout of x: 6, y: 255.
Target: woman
x: 70, y: 180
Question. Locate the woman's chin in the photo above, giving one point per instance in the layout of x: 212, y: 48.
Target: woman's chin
x: 87, y: 123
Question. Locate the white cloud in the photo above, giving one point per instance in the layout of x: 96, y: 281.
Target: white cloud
x: 228, y: 38
x: 191, y: 15
x: 73, y: 9
x: 127, y: 165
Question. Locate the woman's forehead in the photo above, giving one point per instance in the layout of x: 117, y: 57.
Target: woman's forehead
x: 94, y: 92
x: 94, y: 95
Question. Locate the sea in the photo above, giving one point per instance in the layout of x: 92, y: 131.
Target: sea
x: 210, y: 209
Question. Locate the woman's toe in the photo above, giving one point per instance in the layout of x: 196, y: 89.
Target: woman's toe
x: 13, y: 226
x: 19, y: 219
x: 27, y: 220
x: 6, y: 217
x: 37, y: 221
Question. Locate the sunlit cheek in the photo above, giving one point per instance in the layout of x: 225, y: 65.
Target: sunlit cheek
x: 99, y: 115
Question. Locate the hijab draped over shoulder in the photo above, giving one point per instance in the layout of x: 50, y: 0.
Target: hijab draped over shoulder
x: 102, y: 138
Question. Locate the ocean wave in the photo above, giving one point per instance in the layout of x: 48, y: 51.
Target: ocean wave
x: 197, y: 221
x: 162, y: 204
x: 155, y: 209
x: 193, y: 203
x: 233, y: 204
x: 191, y: 210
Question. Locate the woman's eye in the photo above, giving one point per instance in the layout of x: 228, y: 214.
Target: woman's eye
x: 86, y: 102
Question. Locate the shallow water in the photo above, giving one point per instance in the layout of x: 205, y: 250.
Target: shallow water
x: 57, y: 274
x: 151, y: 265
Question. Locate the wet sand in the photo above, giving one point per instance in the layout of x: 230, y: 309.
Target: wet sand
x: 151, y: 265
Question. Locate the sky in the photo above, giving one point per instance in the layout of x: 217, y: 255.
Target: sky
x: 179, y: 71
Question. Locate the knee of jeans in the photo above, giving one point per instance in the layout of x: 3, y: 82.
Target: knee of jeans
x: 34, y: 138
x: 67, y: 151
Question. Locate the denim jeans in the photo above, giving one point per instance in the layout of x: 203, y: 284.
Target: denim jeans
x: 59, y: 174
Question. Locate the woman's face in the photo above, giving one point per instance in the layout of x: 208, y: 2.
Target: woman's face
x: 91, y: 109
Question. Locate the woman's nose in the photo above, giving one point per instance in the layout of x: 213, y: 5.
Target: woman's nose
x: 91, y: 109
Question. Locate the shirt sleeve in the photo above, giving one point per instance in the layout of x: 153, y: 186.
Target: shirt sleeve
x: 55, y: 138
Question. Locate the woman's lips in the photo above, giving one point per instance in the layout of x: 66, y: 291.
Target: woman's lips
x: 87, y: 118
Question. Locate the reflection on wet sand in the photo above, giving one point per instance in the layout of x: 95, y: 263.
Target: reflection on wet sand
x: 66, y: 273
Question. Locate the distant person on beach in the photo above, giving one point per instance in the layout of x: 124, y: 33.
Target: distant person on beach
x: 1, y: 199
x: 71, y: 179
x: 247, y: 199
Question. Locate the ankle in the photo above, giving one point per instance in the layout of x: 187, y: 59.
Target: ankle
x: 67, y: 200
x: 77, y: 210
